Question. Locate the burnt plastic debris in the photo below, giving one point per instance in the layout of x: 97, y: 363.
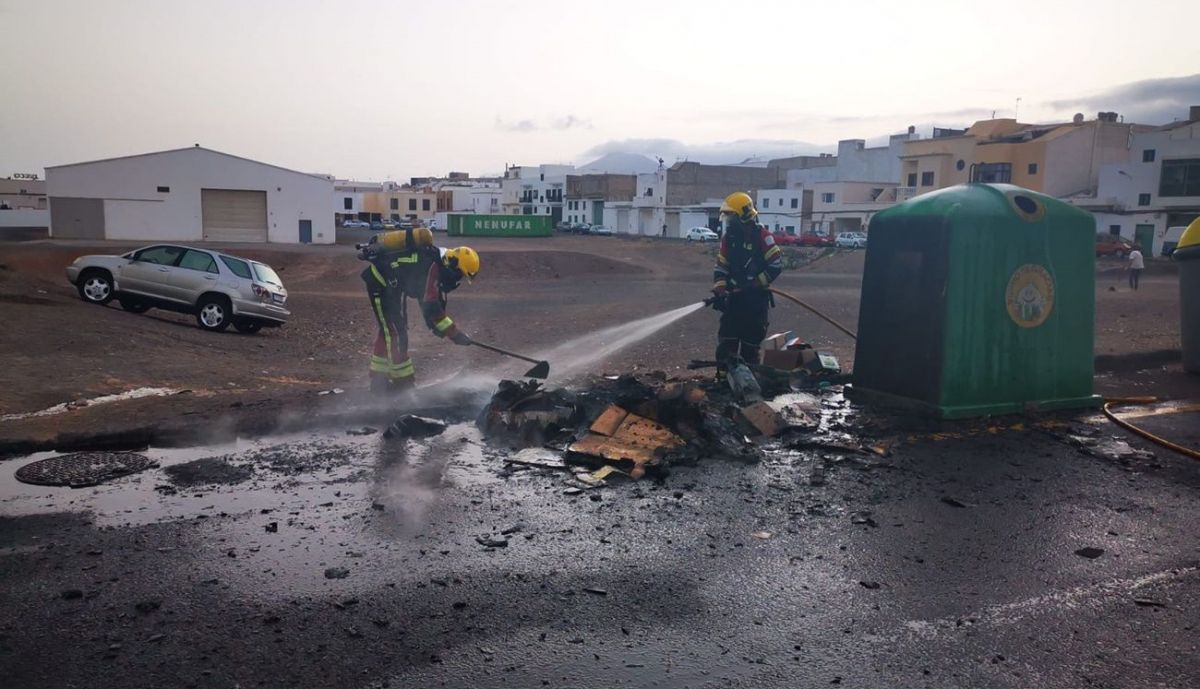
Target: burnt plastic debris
x: 411, y: 426
x: 526, y: 415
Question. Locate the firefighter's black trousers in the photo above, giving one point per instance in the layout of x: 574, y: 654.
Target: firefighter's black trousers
x: 743, y: 328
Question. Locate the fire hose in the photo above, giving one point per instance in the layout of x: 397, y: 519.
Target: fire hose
x: 1141, y: 432
x: 713, y: 300
x: 814, y: 310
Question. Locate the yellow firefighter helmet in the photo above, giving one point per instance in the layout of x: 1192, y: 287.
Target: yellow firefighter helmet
x: 465, y: 259
x: 741, y: 205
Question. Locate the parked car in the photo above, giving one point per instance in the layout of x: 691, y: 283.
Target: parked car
x: 602, y: 230
x: 813, y: 239
x: 376, y: 226
x: 701, y: 234
x: 1112, y: 245
x: 785, y: 239
x: 356, y: 224
x: 851, y: 240
x: 389, y: 224
x: 562, y: 226
x: 219, y: 289
x: 1171, y: 239
x: 581, y: 228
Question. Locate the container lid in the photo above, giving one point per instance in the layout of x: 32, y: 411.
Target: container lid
x: 1191, y: 236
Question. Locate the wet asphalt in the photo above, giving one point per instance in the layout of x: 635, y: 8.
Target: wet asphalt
x: 331, y: 560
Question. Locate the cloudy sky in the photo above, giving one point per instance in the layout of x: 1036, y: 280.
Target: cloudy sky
x: 375, y: 89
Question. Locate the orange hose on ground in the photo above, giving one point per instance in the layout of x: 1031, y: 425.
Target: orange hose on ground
x: 813, y: 309
x: 1185, y: 451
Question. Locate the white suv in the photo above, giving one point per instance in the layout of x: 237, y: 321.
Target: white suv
x: 701, y: 234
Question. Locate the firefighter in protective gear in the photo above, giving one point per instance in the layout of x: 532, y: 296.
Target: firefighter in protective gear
x: 748, y: 261
x: 406, y: 264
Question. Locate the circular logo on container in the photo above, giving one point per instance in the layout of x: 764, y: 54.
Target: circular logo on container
x: 1030, y: 295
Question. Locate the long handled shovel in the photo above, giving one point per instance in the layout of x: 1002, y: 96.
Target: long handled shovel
x: 541, y: 370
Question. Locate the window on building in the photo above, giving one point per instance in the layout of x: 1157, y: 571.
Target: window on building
x: 795, y: 203
x: 348, y: 203
x: 395, y: 204
x: 1143, y: 199
x: 412, y: 204
x: 1180, y: 178
x: 827, y: 197
x: 912, y: 179
x: 1033, y: 168
x: 1114, y: 230
x: 927, y: 179
x: 1148, y: 155
x: 993, y: 173
x: 161, y: 190
x: 424, y: 204
x: 960, y: 165
x: 790, y: 229
x: 649, y: 191
x: 766, y: 202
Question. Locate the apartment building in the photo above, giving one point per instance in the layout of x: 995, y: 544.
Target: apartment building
x: 835, y: 193
x: 588, y: 195
x: 535, y: 190
x: 1062, y: 159
x: 348, y: 199
x: 1155, y: 188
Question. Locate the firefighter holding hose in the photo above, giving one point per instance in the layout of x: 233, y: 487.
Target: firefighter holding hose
x: 748, y: 261
x: 403, y: 264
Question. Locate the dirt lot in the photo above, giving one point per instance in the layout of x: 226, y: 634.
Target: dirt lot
x: 531, y: 295
x: 326, y: 554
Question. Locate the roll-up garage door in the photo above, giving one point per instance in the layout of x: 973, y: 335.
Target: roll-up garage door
x: 234, y: 215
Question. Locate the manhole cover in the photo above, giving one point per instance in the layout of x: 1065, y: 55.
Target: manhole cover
x: 81, y: 469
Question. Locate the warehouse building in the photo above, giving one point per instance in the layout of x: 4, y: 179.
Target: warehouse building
x: 188, y: 195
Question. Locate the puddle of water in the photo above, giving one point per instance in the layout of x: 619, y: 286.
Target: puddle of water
x: 136, y: 499
x: 135, y: 394
x: 291, y: 472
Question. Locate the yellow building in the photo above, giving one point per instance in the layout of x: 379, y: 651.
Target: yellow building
x: 1056, y: 159
x: 401, y: 204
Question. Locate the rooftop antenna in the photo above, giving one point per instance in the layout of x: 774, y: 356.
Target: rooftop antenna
x: 1017, y: 109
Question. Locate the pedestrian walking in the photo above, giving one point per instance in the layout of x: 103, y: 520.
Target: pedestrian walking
x: 1136, y: 265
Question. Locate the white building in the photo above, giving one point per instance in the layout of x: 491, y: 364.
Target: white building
x: 1156, y: 189
x: 348, y: 198
x: 23, y: 202
x: 843, y: 196
x: 535, y: 190
x: 782, y: 210
x: 480, y: 198
x: 847, y: 206
x: 188, y: 195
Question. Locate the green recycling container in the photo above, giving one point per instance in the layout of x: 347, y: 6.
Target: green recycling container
x: 978, y: 300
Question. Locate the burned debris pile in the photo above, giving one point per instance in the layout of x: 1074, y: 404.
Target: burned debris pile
x: 640, y: 425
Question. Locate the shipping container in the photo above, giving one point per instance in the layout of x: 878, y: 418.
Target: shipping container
x: 472, y: 225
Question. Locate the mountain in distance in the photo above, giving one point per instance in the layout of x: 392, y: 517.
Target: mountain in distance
x: 621, y: 164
